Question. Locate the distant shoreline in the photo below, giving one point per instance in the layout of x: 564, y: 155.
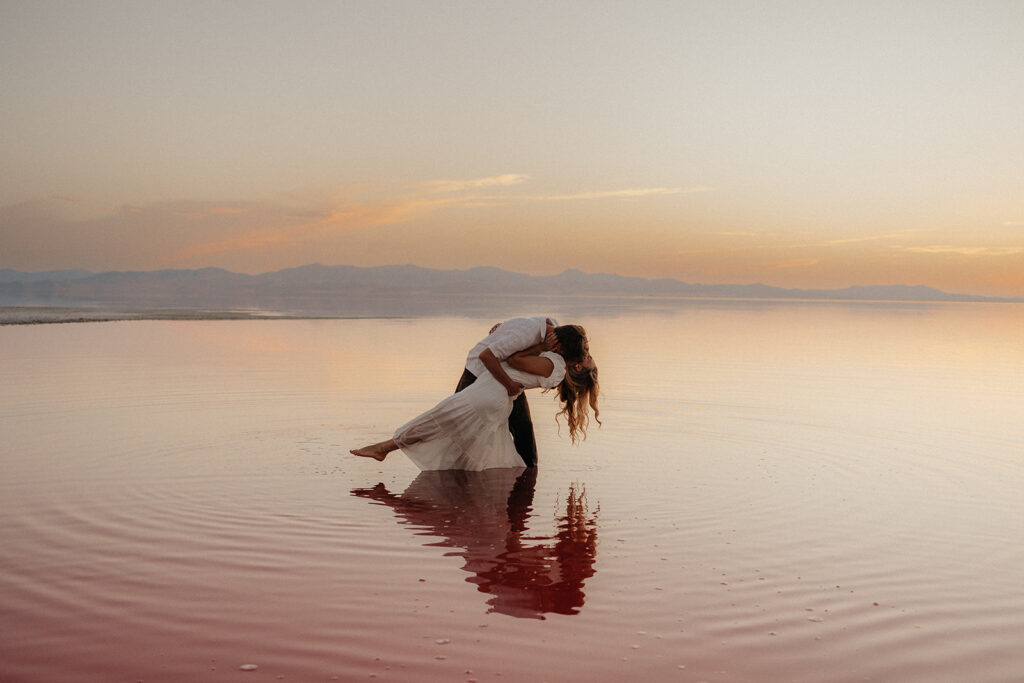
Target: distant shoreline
x: 399, y: 290
x: 46, y: 315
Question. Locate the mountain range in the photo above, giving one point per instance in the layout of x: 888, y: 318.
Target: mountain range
x: 354, y: 289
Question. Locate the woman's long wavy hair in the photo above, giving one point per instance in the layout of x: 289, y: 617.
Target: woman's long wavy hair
x: 572, y: 342
x: 578, y: 392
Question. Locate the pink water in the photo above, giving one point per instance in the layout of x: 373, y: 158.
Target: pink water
x: 780, y: 492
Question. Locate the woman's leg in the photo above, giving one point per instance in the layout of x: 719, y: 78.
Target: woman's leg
x: 423, y: 427
x: 377, y: 451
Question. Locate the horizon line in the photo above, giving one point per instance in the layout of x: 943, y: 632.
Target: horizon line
x: 980, y: 298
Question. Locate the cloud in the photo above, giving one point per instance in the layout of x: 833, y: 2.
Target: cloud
x: 461, y: 187
x: 63, y: 230
x: 816, y: 244
x: 965, y: 251
x: 205, y: 211
x: 744, y: 233
x: 295, y: 227
x: 870, y: 238
x: 504, y: 180
x: 794, y: 263
x: 627, y: 193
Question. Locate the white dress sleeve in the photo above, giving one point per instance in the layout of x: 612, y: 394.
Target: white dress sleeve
x: 556, y: 376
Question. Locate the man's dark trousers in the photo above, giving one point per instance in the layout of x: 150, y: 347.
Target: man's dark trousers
x: 519, y: 422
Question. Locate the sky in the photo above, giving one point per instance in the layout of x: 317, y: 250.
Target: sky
x: 800, y: 144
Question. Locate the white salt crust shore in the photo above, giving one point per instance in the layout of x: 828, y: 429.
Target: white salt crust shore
x: 41, y: 315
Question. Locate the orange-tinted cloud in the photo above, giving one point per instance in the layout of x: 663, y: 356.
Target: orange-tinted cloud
x: 295, y: 227
x: 369, y: 211
x: 492, y: 221
x: 968, y: 251
x: 794, y: 263
x: 504, y: 180
x: 628, y: 193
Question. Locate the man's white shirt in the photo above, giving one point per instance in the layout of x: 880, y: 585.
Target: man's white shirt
x: 512, y: 335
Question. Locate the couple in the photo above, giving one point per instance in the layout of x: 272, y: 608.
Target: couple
x: 486, y: 422
x: 485, y: 519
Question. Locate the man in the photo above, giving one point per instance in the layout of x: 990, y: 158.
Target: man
x: 504, y: 340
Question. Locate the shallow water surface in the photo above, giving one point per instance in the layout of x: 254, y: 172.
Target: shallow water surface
x: 790, y: 491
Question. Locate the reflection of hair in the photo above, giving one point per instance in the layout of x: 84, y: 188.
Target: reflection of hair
x: 577, y: 525
x: 575, y: 548
x: 578, y: 390
x: 530, y: 580
x: 573, y: 342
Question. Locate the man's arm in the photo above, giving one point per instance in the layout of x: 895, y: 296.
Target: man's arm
x: 493, y: 365
x: 513, y: 335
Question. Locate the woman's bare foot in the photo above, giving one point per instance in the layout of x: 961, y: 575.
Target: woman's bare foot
x: 377, y: 451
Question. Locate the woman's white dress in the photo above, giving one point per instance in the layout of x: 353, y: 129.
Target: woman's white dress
x: 469, y: 429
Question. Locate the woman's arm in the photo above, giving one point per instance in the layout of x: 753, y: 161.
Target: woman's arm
x: 531, y: 362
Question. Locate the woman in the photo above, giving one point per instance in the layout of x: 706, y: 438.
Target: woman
x: 469, y: 429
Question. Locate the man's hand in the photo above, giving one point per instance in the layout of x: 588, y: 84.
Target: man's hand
x: 513, y: 388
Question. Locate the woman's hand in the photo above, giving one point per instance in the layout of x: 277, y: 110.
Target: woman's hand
x: 550, y: 342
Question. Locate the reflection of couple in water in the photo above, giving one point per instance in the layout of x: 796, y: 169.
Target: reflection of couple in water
x: 484, y: 515
x: 486, y: 423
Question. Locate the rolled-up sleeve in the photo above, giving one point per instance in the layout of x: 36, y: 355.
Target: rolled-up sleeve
x: 514, y: 335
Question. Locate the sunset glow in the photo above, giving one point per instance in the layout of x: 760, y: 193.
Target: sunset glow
x: 802, y: 144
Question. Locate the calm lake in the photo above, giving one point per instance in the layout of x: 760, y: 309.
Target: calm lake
x: 779, y: 492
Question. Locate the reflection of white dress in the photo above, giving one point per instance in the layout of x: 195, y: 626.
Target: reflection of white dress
x: 469, y: 429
